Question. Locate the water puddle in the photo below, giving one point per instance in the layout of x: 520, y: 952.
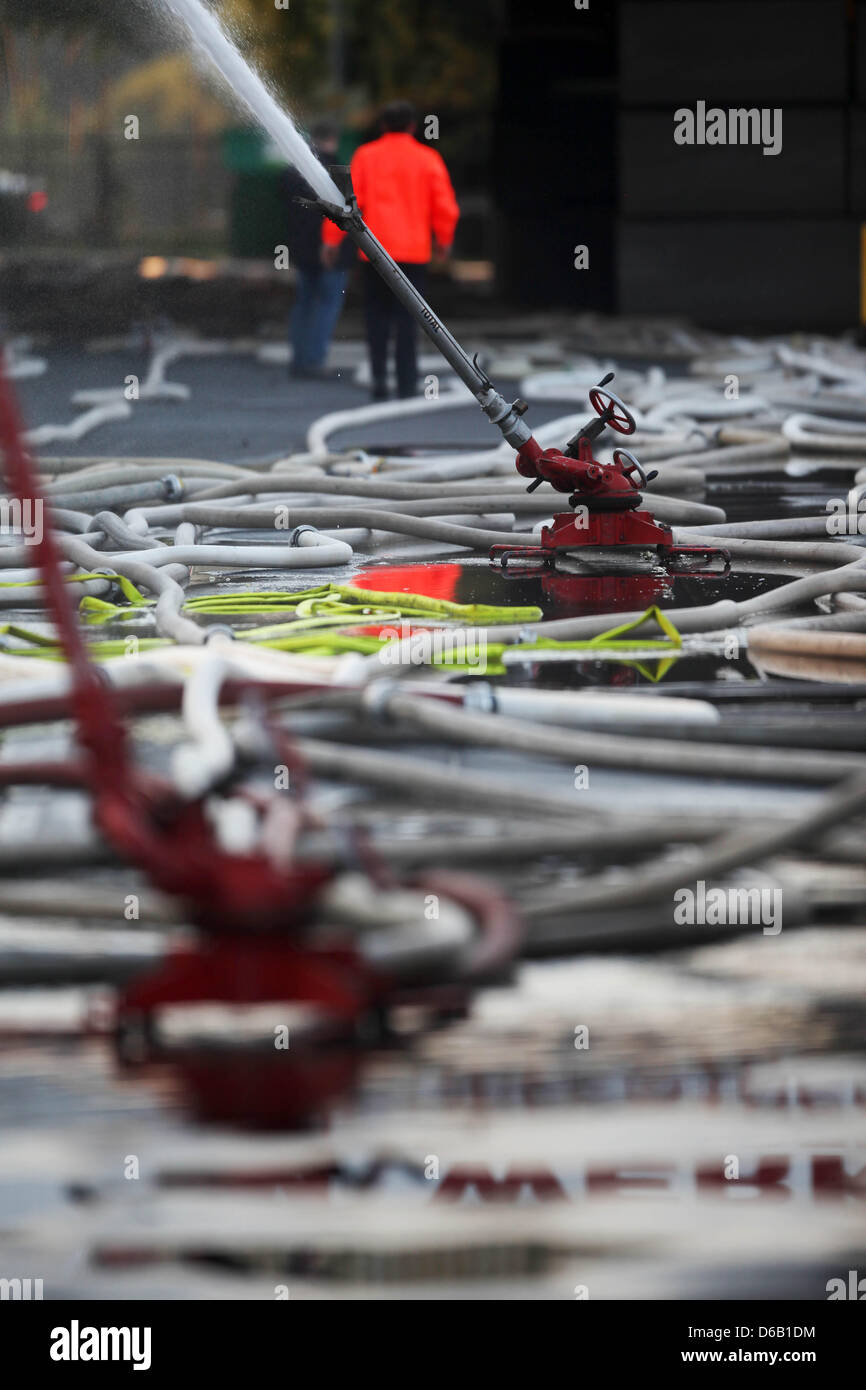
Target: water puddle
x: 563, y: 595
x: 773, y: 496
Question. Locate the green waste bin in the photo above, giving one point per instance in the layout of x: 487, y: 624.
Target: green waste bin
x: 257, y: 203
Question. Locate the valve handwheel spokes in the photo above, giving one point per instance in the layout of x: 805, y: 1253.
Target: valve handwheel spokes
x: 631, y: 465
x: 612, y: 410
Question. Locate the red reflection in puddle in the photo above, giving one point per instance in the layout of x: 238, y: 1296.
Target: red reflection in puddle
x: 436, y: 581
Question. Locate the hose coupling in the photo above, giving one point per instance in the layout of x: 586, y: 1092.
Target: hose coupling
x: 294, y: 536
x: 172, y: 487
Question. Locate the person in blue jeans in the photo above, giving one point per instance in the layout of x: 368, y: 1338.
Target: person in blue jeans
x: 318, y: 305
x: 320, y: 289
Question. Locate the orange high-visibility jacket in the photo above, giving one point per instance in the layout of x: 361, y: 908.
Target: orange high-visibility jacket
x: 405, y: 197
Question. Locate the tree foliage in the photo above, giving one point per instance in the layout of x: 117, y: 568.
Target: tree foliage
x: 123, y: 22
x: 440, y: 52
x: 348, y: 55
x: 437, y: 51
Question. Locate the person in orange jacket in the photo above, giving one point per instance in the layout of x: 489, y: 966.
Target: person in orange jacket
x: 406, y: 198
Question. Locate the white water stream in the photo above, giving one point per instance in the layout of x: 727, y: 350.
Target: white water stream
x: 208, y: 39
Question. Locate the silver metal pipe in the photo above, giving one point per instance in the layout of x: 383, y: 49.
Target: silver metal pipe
x: 505, y: 416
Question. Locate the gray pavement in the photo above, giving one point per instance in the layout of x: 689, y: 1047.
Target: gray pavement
x: 241, y: 410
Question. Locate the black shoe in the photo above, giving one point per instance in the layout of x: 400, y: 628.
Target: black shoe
x: 379, y: 393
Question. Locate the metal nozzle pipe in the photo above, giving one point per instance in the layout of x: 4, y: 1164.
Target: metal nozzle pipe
x: 495, y: 407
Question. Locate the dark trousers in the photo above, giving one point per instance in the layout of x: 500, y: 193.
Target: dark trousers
x: 386, y: 319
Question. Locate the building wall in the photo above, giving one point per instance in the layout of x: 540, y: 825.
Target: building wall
x: 554, y: 153
x: 722, y: 234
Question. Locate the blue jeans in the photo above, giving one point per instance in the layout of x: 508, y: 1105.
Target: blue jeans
x: 318, y: 301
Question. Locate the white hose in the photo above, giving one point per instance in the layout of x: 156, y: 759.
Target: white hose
x: 825, y: 435
x: 326, y: 425
x: 210, y: 754
x: 311, y: 551
x: 90, y: 420
x: 585, y: 709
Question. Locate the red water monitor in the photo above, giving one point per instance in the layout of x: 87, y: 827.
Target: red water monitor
x: 606, y: 496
